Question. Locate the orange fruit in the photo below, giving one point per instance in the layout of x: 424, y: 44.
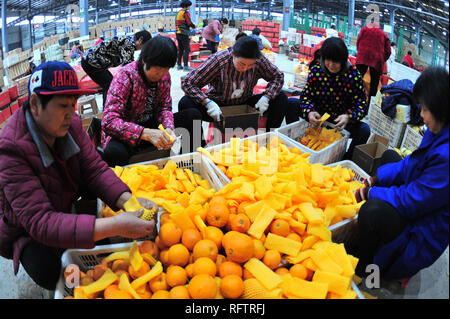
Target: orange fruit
x: 282, y: 271
x: 190, y: 237
x: 119, y: 294
x: 219, y: 260
x: 294, y: 236
x: 202, y: 286
x: 215, y: 234
x: 164, y: 256
x: 161, y: 294
x: 247, y: 274
x: 262, y: 238
x: 176, y: 276
x: 99, y: 270
x: 240, y: 223
x: 232, y: 287
x: 107, y: 292
x: 218, y: 212
x: 149, y: 247
x: 242, y: 206
x: 178, y: 255
x: 259, y: 249
x: 239, y: 247
x: 299, y: 271
x: 218, y: 200
x: 119, y: 274
x: 159, y: 243
x: 189, y: 270
x: 158, y: 283
x: 179, y: 292
x: 120, y: 264
x: 272, y: 258
x: 145, y: 268
x: 205, y: 265
x: 164, y: 218
x: 170, y: 234
x: 205, y: 248
x: 144, y: 292
x: 230, y: 268
x: 280, y: 227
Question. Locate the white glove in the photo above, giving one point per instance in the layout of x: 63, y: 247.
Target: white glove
x: 213, y: 110
x: 262, y: 105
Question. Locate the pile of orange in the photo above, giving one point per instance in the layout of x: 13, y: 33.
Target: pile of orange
x: 210, y: 252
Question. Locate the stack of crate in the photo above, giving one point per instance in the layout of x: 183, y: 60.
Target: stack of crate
x: 270, y: 30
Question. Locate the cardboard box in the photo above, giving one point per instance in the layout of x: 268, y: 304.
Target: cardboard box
x: 368, y: 156
x: 238, y: 121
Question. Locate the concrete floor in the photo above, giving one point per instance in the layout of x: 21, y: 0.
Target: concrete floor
x: 430, y: 283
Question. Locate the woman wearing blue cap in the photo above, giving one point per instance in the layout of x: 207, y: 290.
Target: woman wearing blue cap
x: 46, y: 163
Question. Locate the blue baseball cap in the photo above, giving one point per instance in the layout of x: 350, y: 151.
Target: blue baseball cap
x: 55, y: 77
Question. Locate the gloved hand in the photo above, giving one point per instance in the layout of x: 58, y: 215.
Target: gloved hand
x: 362, y: 194
x: 262, y: 105
x: 213, y: 110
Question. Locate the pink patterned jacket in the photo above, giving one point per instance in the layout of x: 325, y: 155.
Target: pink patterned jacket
x: 129, y: 99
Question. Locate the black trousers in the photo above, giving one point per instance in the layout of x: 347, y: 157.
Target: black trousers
x: 100, y: 76
x: 275, y: 113
x: 211, y: 45
x: 378, y: 224
x: 184, y: 47
x: 119, y: 153
x: 374, y: 77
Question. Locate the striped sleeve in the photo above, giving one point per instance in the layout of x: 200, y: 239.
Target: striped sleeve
x: 203, y: 75
x: 272, y: 75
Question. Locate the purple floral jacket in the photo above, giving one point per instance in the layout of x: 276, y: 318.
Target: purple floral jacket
x: 129, y: 103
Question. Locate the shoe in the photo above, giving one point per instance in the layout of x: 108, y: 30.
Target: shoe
x: 179, y: 67
x: 188, y: 68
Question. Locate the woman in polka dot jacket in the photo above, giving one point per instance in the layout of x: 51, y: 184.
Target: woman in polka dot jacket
x: 336, y: 87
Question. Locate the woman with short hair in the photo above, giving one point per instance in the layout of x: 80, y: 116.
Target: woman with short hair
x: 334, y: 86
x: 211, y: 33
x: 403, y: 225
x: 231, y: 77
x: 138, y: 102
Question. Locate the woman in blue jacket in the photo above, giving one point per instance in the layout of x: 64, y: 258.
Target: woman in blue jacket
x: 403, y: 225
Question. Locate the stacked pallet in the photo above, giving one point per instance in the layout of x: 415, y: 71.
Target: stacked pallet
x: 270, y: 30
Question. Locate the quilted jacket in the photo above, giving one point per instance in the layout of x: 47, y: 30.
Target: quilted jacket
x: 36, y: 190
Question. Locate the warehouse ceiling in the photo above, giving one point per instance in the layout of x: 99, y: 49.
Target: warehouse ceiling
x: 431, y: 19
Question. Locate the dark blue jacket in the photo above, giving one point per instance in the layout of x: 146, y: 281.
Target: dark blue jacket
x: 400, y: 92
x: 418, y: 187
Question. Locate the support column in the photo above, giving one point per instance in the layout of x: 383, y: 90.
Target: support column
x: 30, y: 28
x: 193, y: 12
x: 223, y: 9
x: 4, y: 31
x: 288, y: 7
x: 351, y: 19
x: 96, y: 11
x: 120, y: 10
x: 391, y: 22
x: 84, y: 17
x: 232, y: 11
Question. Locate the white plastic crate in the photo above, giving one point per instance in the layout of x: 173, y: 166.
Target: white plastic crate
x: 86, y: 259
x: 383, y: 125
x: 360, y: 176
x: 330, y: 154
x: 411, y: 139
x: 262, y: 140
x: 193, y: 161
